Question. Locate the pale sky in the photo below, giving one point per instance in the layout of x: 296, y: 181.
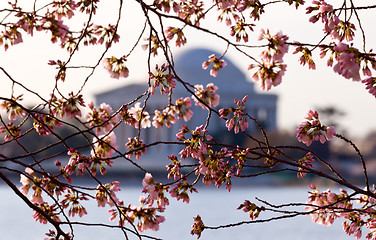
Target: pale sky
x: 301, y: 89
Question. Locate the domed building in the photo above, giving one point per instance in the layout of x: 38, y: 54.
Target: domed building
x: 231, y: 83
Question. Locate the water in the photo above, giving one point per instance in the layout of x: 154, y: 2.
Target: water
x: 216, y: 207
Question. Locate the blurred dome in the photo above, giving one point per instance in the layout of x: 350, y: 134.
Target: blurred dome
x: 188, y: 67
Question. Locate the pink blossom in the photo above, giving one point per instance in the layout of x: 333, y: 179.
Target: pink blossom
x: 313, y: 130
x: 136, y: 146
x: 163, y: 79
x: 181, y: 108
x: 178, y: 32
x: 13, y: 108
x: 101, y: 118
x: 218, y: 64
x: 165, y: 117
x: 370, y: 85
x: 104, y: 146
x: 148, y: 179
x: 140, y: 115
x: 116, y: 67
x: 208, y: 95
x: 347, y: 64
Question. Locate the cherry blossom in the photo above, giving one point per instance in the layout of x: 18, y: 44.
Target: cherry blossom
x: 136, y: 147
x: 101, y: 118
x: 12, y: 131
x: 181, y: 108
x: 174, y: 167
x: 208, y: 95
x: 106, y: 194
x: 12, y: 108
x: 171, y: 32
x: 162, y: 79
x: 218, y: 64
x: 198, y: 226
x: 116, y: 67
x: 163, y: 118
x: 140, y: 115
x: 252, y: 209
x: 306, y: 161
x: 104, y: 146
x: 239, y: 119
x: 277, y: 46
x: 44, y: 124
x: 239, y: 30
x: 370, y: 85
x: 347, y: 64
x: 195, y: 146
x: 313, y: 130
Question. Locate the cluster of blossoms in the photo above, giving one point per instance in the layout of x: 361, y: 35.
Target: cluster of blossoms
x: 116, y: 67
x: 62, y: 69
x: 218, y: 64
x: 166, y: 117
x: 80, y: 162
x: 313, y: 130
x: 106, y: 194
x: 239, y: 30
x: 30, y: 181
x: 171, y: 32
x: 306, y: 57
x: 162, y: 79
x: 271, y: 69
x: 72, y: 200
x: 163, y: 118
x: 154, y: 43
x: 127, y: 117
x: 333, y: 26
x: 44, y: 124
x: 136, y: 147
x: 208, y: 95
x: 12, y: 131
x: 146, y: 214
x: 169, y: 115
x: 214, y: 169
x: 196, y: 146
x: 104, y: 146
x: 165, y: 5
x: 50, y: 19
x: 370, y: 85
x: 174, y: 168
x: 180, y: 191
x: 306, y: 161
x: 155, y: 192
x: 12, y: 108
x: 239, y: 155
x: 348, y: 64
x: 101, y: 118
x: 325, y: 207
x: 141, y: 116
x: 147, y: 217
x: 239, y: 119
x: 191, y: 11
x: 252, y: 209
x: 198, y: 226
x: 182, y: 108
x: 227, y: 13
x: 67, y: 106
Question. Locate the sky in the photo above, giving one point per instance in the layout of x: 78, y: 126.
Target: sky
x: 301, y: 89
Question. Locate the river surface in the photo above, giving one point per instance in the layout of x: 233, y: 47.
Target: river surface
x: 216, y: 207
